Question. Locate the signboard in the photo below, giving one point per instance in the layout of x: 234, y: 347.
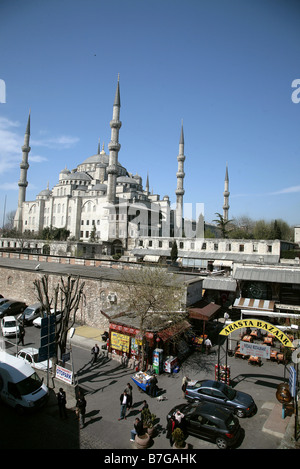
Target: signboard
x: 44, y: 351
x: 260, y: 324
x: 63, y: 374
x: 47, y: 348
x: 119, y: 342
x: 258, y: 350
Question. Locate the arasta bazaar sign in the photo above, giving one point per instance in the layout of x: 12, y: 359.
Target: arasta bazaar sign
x: 266, y: 326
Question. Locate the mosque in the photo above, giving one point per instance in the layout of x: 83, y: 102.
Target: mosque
x: 101, y: 201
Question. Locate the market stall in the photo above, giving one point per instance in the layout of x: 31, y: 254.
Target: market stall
x: 142, y: 380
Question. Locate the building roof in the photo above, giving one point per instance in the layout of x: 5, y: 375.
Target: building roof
x: 280, y: 274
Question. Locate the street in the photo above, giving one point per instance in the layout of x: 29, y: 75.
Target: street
x: 103, y: 383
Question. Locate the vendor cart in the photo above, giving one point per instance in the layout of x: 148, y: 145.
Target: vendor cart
x: 142, y: 380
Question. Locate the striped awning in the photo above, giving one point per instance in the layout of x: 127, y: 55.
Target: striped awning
x: 252, y: 303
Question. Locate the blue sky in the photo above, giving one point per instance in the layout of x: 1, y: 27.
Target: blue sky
x: 224, y: 67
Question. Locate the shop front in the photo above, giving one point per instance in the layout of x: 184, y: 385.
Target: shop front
x: 126, y: 341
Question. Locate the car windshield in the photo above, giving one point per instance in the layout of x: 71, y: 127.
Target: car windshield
x: 5, y: 305
x: 10, y: 324
x: 29, y: 385
x: 28, y: 312
x: 229, y: 392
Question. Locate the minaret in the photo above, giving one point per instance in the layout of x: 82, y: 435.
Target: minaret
x: 114, y: 148
x: 147, y: 185
x: 226, y: 196
x: 180, y: 191
x: 23, y: 177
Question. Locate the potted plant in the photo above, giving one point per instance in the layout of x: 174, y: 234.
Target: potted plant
x: 148, y: 420
x: 179, y: 439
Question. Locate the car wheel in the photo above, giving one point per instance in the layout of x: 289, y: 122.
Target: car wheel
x: 221, y: 443
x: 240, y: 413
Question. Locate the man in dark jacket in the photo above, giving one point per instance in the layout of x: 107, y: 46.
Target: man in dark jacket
x: 61, y: 400
x: 138, y: 429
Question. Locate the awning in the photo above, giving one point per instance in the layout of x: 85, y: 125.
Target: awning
x: 172, y: 331
x: 129, y: 330
x: 149, y: 258
x: 205, y: 313
x: 251, y: 303
x: 222, y: 263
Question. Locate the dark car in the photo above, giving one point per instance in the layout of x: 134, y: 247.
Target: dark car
x: 11, y: 308
x: 219, y: 393
x: 210, y: 422
x: 30, y: 313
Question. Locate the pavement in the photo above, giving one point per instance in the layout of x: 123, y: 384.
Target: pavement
x: 276, y: 424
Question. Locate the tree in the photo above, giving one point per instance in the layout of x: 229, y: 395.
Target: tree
x: 154, y: 297
x: 65, y: 298
x: 174, y: 252
x: 222, y: 224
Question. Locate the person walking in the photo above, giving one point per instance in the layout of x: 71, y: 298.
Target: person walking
x: 95, y: 352
x: 21, y: 334
x: 81, y: 408
x: 208, y: 345
x: 153, y: 386
x: 123, y: 402
x: 184, y: 385
x: 129, y: 394
x: 138, y: 429
x: 170, y: 428
x: 62, y: 401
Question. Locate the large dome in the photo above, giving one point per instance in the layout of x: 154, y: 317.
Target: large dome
x: 96, y: 159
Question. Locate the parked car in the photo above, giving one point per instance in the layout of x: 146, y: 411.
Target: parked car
x: 30, y: 313
x: 9, y: 326
x: 11, y: 308
x: 31, y: 355
x: 210, y: 422
x: 217, y: 392
x: 38, y: 321
x: 3, y: 300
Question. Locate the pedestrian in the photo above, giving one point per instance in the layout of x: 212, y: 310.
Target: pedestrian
x: 144, y: 406
x: 62, y: 401
x: 81, y: 408
x: 21, y: 334
x: 184, y: 385
x: 123, y: 402
x: 138, y: 429
x: 124, y: 359
x: 170, y: 428
x: 179, y: 416
x: 129, y: 394
x: 152, y: 386
x: 95, y: 352
x: 208, y: 345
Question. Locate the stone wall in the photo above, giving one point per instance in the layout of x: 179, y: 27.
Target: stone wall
x: 18, y: 285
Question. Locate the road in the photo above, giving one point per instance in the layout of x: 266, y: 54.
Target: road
x: 104, y: 382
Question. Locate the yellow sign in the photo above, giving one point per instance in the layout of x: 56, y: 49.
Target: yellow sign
x: 120, y: 342
x: 266, y: 326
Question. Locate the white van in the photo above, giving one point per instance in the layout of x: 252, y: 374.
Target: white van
x: 20, y: 386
